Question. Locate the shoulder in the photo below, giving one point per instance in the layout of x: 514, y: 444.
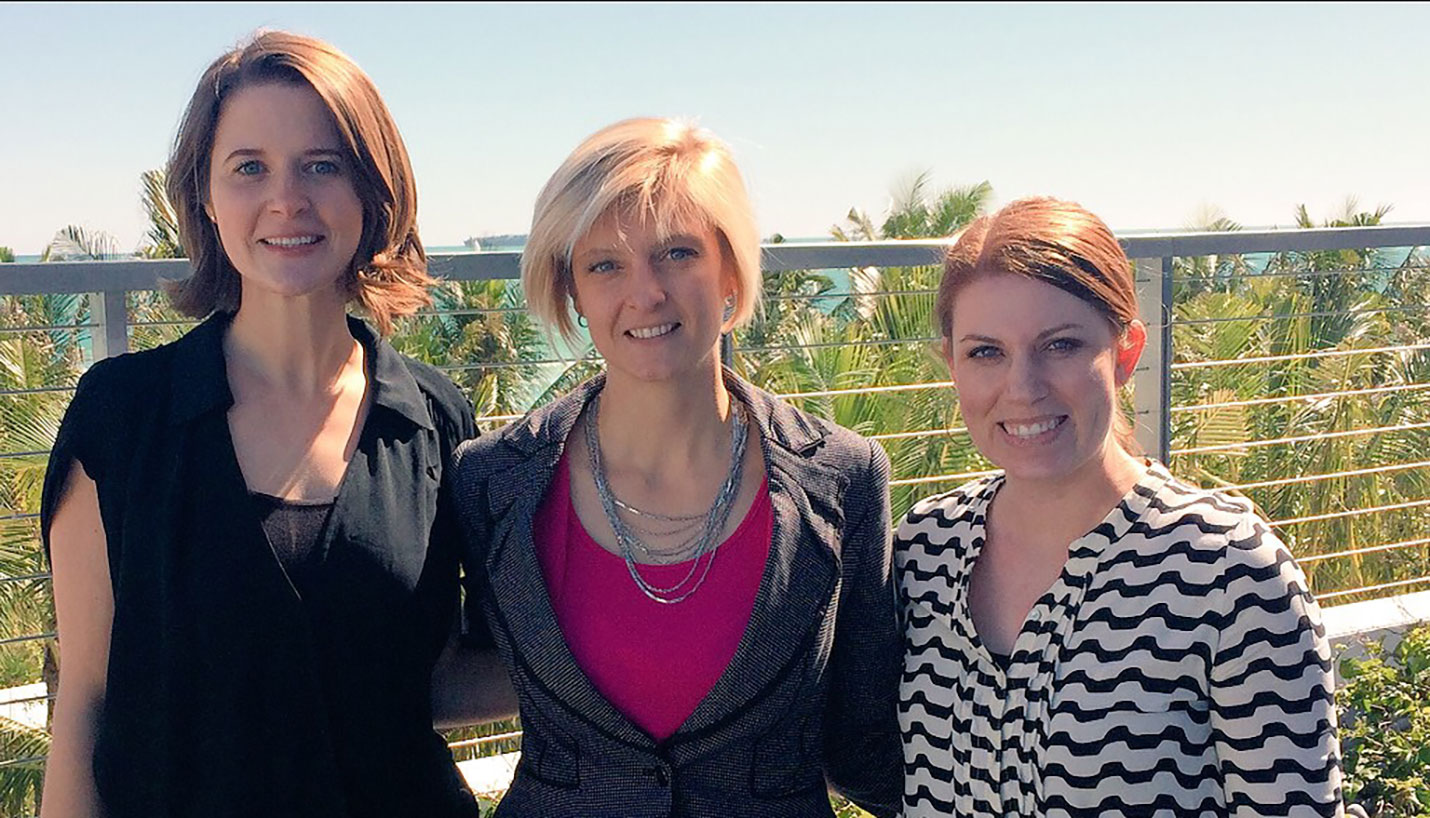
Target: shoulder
x: 118, y: 390
x: 450, y: 409
x: 963, y: 506
x: 825, y: 440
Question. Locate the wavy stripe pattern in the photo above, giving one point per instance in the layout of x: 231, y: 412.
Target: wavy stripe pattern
x: 1177, y: 667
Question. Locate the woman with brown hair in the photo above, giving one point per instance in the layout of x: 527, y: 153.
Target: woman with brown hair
x: 1084, y: 633
x: 253, y: 576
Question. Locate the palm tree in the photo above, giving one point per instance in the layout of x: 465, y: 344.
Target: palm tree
x: 6, y: 255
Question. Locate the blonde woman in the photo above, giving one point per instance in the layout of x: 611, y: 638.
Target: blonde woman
x: 689, y: 580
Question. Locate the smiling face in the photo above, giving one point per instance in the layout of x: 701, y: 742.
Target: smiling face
x: 653, y: 304
x: 281, y: 191
x: 1037, y: 371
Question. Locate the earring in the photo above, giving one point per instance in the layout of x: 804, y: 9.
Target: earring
x: 581, y: 320
x: 729, y: 307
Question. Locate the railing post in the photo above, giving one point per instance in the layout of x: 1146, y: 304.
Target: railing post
x: 1152, y: 380
x: 110, y: 311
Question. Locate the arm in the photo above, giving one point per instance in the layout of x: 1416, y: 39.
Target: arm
x: 84, y: 608
x: 469, y: 684
x: 1273, y: 716
x: 862, y: 752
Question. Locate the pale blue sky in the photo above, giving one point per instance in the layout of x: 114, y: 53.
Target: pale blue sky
x: 1143, y: 113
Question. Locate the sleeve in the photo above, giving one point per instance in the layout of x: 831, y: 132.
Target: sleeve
x: 1273, y: 713
x: 862, y: 752
x: 80, y: 438
x: 462, y: 496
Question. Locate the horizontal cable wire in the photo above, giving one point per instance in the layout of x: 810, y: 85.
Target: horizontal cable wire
x: 35, y: 390
x: 1213, y: 276
x: 25, y: 578
x: 943, y: 478
x: 48, y: 328
x: 480, y: 740
x: 499, y: 418
x: 34, y: 637
x: 1311, y: 478
x: 1277, y: 441
x: 1372, y: 549
x: 1290, y: 315
x: 1355, y: 512
x: 956, y: 430
x: 36, y: 453
x: 1367, y: 589
x: 877, y: 343
x: 866, y: 390
x: 29, y: 515
x: 22, y: 762
x: 846, y: 294
x: 1374, y: 390
x: 1268, y: 359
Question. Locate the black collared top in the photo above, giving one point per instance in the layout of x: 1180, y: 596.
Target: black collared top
x: 227, y: 693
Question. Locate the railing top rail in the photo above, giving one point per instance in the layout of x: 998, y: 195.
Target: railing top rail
x: 145, y: 274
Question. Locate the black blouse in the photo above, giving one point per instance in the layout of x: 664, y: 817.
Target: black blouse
x: 227, y: 695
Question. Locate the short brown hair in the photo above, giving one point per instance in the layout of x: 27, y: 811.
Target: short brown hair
x: 1057, y: 242
x: 388, y: 275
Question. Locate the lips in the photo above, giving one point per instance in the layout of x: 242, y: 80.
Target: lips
x: 1032, y: 430
x: 291, y: 241
x: 646, y: 333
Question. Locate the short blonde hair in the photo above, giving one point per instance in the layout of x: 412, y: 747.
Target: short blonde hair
x: 663, y: 169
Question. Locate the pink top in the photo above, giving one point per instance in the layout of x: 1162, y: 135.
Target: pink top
x: 654, y: 662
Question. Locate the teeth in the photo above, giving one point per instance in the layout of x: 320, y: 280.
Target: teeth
x: 291, y: 241
x: 1031, y: 429
x: 652, y: 332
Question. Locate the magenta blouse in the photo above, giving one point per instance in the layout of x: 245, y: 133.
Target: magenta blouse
x: 653, y: 661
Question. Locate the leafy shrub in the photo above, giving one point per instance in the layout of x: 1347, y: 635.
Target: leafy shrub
x: 1385, y: 727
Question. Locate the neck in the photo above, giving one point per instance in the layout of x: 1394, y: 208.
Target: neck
x: 299, y: 345
x: 656, y: 426
x: 1078, y: 500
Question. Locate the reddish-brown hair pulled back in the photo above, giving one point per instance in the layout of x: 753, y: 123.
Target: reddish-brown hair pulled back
x: 1057, y: 242
x: 1050, y: 240
x: 388, y: 274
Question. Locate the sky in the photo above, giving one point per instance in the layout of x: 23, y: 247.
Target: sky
x: 1149, y: 115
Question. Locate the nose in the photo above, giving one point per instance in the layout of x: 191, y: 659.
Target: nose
x: 288, y: 195
x: 1026, y: 382
x: 646, y: 289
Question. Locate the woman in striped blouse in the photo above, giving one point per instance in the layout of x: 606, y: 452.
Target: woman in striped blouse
x: 1084, y: 633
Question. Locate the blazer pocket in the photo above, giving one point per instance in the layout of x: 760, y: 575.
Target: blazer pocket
x: 550, y: 759
x: 786, y: 761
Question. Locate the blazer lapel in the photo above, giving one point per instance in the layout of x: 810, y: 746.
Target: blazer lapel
x: 517, y: 585
x: 801, y: 575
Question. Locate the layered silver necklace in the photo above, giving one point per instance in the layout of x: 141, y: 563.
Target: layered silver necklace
x: 706, y: 527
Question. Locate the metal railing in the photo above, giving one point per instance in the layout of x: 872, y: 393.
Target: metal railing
x: 916, y: 420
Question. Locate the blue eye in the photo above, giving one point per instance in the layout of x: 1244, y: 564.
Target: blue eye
x: 1064, y: 345
x: 601, y: 267
x: 681, y: 253
x: 251, y: 167
x: 325, y: 167
x: 984, y: 351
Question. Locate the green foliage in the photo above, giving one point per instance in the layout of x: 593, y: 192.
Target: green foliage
x: 75, y: 243
x: 1385, y: 727
x: 162, y: 239
x: 6, y: 255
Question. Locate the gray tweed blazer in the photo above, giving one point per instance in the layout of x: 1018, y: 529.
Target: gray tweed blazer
x: 809, y: 699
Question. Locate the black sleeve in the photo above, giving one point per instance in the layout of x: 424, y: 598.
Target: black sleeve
x: 82, y: 438
x: 464, y: 493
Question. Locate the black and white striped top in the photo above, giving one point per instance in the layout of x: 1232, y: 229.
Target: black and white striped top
x: 1176, y: 667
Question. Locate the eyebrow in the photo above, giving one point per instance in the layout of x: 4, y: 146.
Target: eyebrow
x: 259, y: 152
x: 1045, y: 333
